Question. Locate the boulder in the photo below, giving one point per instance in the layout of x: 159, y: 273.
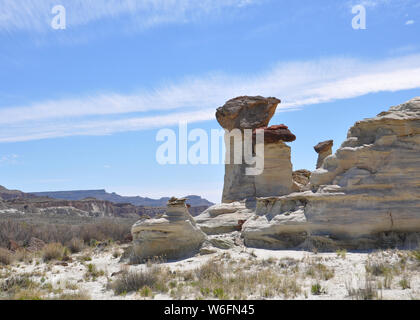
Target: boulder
x: 246, y: 112
x: 174, y: 235
x: 225, y: 217
x: 324, y: 149
x: 276, y: 133
x: 365, y: 195
x: 301, y: 179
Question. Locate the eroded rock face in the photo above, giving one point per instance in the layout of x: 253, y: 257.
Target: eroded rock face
x: 173, y: 236
x: 365, y: 195
x: 242, y: 113
x: 225, y: 217
x: 301, y: 179
x: 255, y: 113
x: 276, y: 179
x: 246, y: 112
x: 324, y: 149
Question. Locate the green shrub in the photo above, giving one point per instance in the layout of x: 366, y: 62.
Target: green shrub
x: 316, y: 289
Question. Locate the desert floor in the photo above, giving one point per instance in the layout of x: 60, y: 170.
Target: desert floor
x: 235, y: 273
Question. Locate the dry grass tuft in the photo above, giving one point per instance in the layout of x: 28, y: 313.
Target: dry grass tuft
x: 75, y: 245
x: 131, y: 281
x: 53, y: 251
x: 6, y: 257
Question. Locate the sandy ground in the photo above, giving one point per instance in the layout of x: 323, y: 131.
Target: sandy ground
x: 349, y: 271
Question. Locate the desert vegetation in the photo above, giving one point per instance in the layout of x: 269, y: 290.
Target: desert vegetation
x: 65, y: 232
x: 102, y: 270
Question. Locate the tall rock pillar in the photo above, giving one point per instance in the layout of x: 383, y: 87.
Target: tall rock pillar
x: 276, y: 179
x: 242, y: 113
x: 324, y: 149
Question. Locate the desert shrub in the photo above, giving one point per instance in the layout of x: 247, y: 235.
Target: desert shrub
x: 416, y: 255
x: 209, y: 270
x: 219, y: 293
x: 104, y: 230
x: 28, y: 294
x: 80, y: 295
x: 136, y: 256
x: 93, y: 272
x: 146, y: 291
x: 16, y: 283
x: 316, y: 289
x: 23, y: 255
x: 129, y: 281
x: 341, y: 253
x: 100, y: 230
x: 6, y: 257
x: 378, y: 268
x: 53, y: 251
x: 75, y: 245
x: 368, y: 292
x: 405, y: 283
x: 319, y: 270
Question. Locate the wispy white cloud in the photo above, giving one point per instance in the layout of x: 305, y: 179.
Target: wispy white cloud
x: 36, y: 16
x: 195, y: 99
x: 9, y: 159
x: 409, y: 22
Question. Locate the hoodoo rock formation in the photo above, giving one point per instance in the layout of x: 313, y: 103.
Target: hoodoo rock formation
x: 324, y: 149
x: 255, y: 113
x: 242, y: 113
x: 365, y: 195
x: 276, y: 179
x: 240, y: 190
x: 173, y: 236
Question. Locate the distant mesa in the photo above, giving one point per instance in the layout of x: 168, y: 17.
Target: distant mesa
x: 101, y: 194
x: 89, y: 203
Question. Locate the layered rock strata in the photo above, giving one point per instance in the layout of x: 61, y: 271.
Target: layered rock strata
x: 174, y: 235
x: 365, y: 195
x: 225, y: 217
x: 276, y: 179
x: 301, y: 179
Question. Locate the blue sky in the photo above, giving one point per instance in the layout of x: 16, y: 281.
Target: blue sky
x: 80, y: 107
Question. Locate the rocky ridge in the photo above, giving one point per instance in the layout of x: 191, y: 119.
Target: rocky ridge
x: 365, y: 195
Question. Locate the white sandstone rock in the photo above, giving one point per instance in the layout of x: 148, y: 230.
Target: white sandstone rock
x: 224, y: 217
x: 173, y: 236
